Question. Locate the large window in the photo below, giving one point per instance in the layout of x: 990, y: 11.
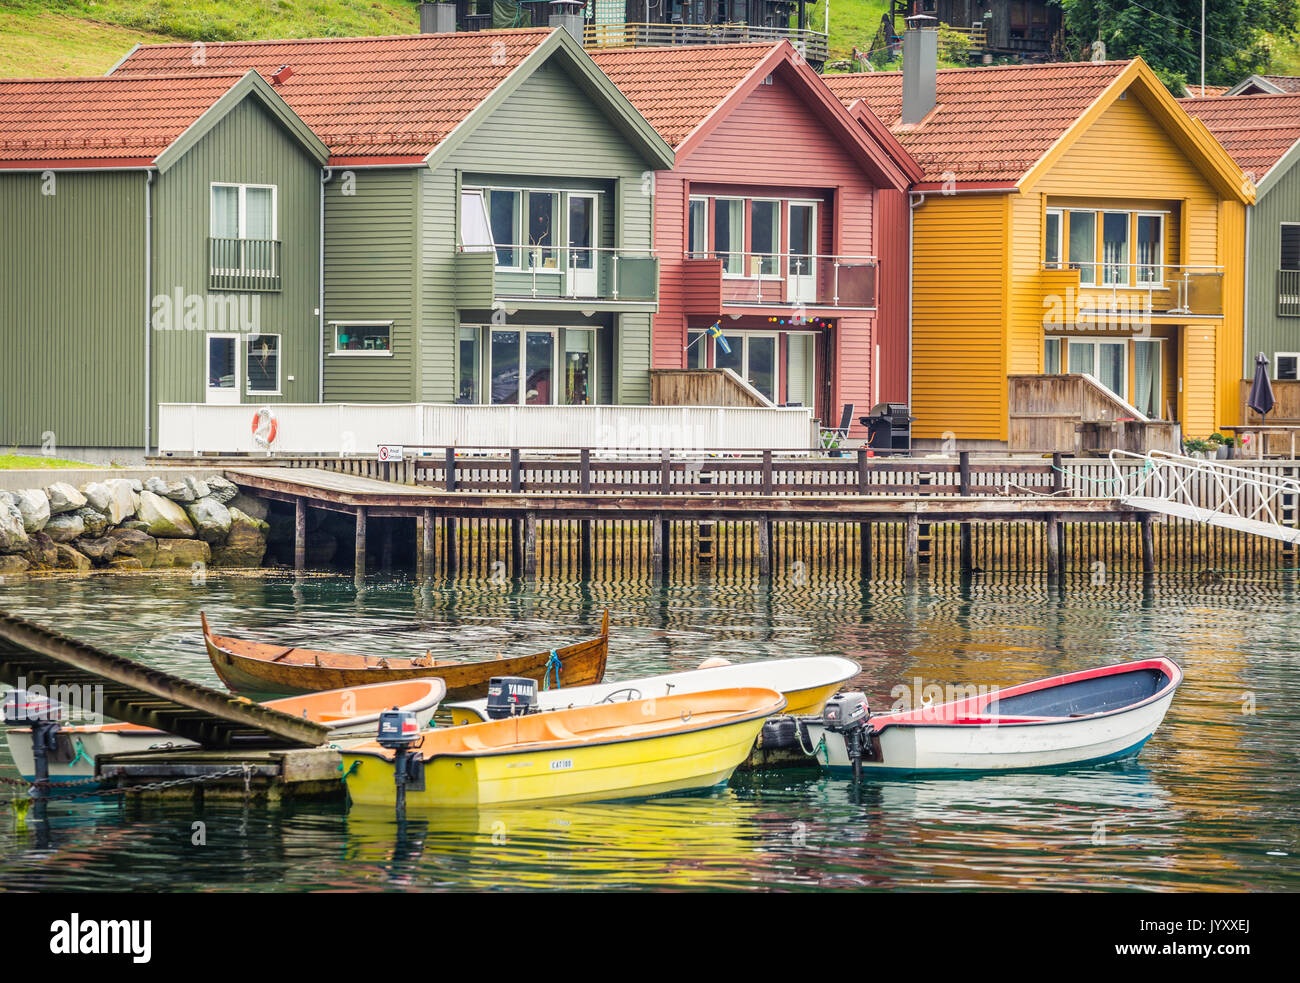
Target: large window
x: 243, y: 211
x: 752, y: 355
x: 1115, y: 364
x: 522, y: 367
x: 264, y: 365
x: 1108, y: 248
x: 528, y: 227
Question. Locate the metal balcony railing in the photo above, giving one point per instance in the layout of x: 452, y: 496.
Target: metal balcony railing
x: 1288, y: 293
x: 243, y: 264
x: 540, y: 272
x: 811, y: 44
x: 752, y: 279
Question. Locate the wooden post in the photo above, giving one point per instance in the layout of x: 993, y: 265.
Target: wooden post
x: 862, y: 472
x: 452, y: 563
x: 359, y: 564
x: 665, y: 471
x: 450, y: 469
x: 516, y: 472
x: 912, y: 544
x: 1058, y: 476
x: 764, y: 547
x: 426, y: 544
x: 584, y: 472
x: 864, y: 549
x: 300, y: 535
x: 530, y: 545
x: 1148, y: 543
x: 1053, y: 546
x: 967, y: 562
x: 767, y: 473
x: 516, y: 547
x: 657, y: 546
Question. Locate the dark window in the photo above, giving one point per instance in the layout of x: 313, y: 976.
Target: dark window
x: 1291, y: 246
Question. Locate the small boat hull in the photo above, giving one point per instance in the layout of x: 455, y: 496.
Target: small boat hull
x: 806, y: 683
x: 646, y: 748
x: 255, y: 667
x: 965, y: 737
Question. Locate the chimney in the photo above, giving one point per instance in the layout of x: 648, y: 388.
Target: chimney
x: 437, y: 18
x: 281, y: 75
x: 920, y: 64
x: 568, y: 15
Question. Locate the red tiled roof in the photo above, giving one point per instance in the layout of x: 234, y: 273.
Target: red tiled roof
x: 989, y: 125
x: 387, y: 97
x: 676, y: 88
x: 1210, y: 90
x: 1287, y: 83
x: 1255, y: 130
x: 100, y: 122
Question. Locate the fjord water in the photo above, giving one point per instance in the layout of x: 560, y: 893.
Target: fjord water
x: 1211, y: 804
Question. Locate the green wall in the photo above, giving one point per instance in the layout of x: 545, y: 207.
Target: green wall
x: 73, y: 312
x: 1266, y: 331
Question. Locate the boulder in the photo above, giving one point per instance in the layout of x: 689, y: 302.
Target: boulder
x: 181, y: 553
x: 96, y: 521
x: 13, y: 534
x: 12, y: 564
x: 99, y: 550
x: 125, y: 563
x: 177, y: 491
x: 71, y: 559
x: 41, y: 552
x: 121, y: 501
x: 164, y: 518
x: 7, y: 498
x: 221, y: 489
x: 34, y: 506
x: 245, y: 545
x: 65, y: 527
x: 199, y: 487
x: 97, y: 495
x: 134, y: 543
x: 64, y: 498
x: 211, y: 519
x: 255, y: 507
x: 135, y: 524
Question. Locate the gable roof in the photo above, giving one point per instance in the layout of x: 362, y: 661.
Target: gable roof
x: 1002, y: 128
x: 1263, y: 85
x: 112, y: 122
x: 686, y: 91
x: 1257, y: 130
x: 395, y: 100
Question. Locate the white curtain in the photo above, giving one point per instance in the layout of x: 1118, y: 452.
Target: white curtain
x: 258, y: 221
x: 225, y: 213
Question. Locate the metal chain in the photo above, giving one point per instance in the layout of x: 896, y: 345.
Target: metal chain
x: 243, y: 769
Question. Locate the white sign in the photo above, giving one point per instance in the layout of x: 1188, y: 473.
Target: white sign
x: 390, y: 452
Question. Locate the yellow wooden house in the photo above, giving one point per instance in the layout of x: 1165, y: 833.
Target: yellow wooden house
x: 1078, y: 251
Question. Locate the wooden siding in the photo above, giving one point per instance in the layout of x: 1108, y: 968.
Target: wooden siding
x: 371, y: 250
x: 958, y: 302
x: 1231, y: 337
x: 700, y: 387
x: 802, y: 158
x: 248, y: 146
x: 1267, y: 331
x: 73, y: 317
x: 577, y: 148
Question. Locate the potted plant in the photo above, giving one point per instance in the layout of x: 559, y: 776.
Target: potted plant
x: 1195, y: 447
x: 1221, y: 444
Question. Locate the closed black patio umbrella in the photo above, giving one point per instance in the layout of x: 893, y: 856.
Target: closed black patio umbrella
x: 1261, y: 395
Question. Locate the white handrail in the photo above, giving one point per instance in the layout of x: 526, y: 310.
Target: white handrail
x: 1244, y: 493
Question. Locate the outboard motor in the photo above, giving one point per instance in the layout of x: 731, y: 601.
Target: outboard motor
x: 847, y: 714
x: 511, y: 696
x: 399, y: 731
x: 42, y: 714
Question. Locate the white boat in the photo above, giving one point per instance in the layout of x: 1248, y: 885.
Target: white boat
x: 351, y: 713
x: 1079, y: 718
x: 806, y: 685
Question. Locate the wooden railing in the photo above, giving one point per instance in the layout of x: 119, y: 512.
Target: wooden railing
x: 702, y: 387
x: 1074, y: 412
x: 243, y: 264
x: 812, y: 44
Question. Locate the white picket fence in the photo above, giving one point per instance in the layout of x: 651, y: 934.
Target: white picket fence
x: 360, y: 428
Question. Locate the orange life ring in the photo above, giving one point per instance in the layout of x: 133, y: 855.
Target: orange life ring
x: 265, y: 426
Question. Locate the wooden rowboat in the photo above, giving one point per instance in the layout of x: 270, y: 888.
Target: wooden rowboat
x: 257, y: 667
x: 670, y: 744
x: 1080, y: 718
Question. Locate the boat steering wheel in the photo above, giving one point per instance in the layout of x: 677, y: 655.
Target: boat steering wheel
x: 632, y: 694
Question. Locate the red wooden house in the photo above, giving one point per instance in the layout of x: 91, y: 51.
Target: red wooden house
x: 784, y: 221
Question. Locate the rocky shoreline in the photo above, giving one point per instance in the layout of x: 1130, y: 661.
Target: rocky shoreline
x: 126, y: 524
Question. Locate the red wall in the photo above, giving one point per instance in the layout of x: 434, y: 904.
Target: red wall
x: 774, y: 145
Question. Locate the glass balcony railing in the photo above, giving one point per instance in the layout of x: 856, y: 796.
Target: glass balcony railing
x: 784, y: 280
x: 548, y: 275
x: 1156, y: 289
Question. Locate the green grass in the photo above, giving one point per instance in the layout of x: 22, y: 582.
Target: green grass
x: 15, y: 462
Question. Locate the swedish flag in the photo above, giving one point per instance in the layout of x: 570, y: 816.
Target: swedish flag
x: 715, y: 332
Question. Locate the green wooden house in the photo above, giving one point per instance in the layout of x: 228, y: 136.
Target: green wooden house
x: 162, y: 245
x: 488, y: 204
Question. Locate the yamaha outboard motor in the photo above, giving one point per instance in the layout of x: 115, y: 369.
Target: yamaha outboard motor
x: 511, y: 696
x: 399, y: 731
x: 847, y: 713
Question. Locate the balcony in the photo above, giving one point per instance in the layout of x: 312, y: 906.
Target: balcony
x: 1129, y: 296
x: 811, y: 44
x: 766, y: 282
x: 1288, y: 293
x: 244, y: 264
x: 557, y: 278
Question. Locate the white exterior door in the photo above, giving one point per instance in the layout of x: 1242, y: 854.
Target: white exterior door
x: 582, y: 259
x: 222, y: 364
x: 801, y: 276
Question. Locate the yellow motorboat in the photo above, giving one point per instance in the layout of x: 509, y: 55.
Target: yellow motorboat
x: 631, y: 750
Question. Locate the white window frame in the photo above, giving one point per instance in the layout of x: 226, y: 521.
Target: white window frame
x: 1277, y: 356
x: 243, y: 207
x: 1095, y: 342
x: 279, y: 358
x: 1060, y: 263
x: 361, y: 352
x: 744, y: 237
x: 744, y: 334
x: 1164, y: 249
x: 594, y: 363
x: 238, y: 388
x: 1100, y: 241
x: 782, y: 205
x: 485, y: 359
x: 490, y: 246
x: 560, y: 235
x: 1160, y: 362
x: 702, y: 253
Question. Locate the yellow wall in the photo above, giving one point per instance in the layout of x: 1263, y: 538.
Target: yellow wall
x: 1232, y: 335
x: 958, y: 283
